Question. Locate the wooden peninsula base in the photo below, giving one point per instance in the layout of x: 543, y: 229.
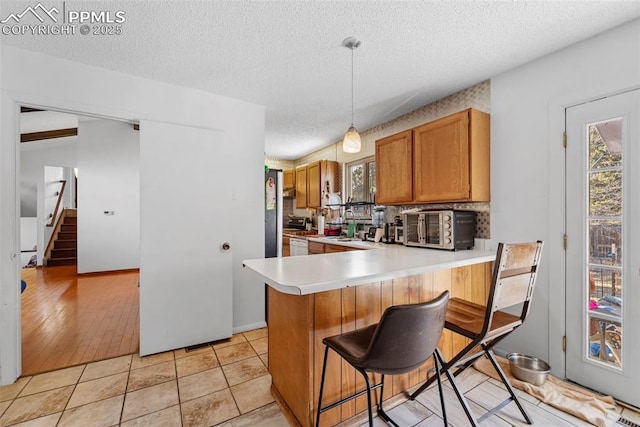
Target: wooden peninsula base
x: 298, y: 323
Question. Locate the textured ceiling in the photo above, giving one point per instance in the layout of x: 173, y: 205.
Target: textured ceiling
x: 287, y: 55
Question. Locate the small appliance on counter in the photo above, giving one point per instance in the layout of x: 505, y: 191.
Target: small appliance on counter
x: 399, y: 229
x: 440, y: 229
x: 377, y: 216
x: 389, y: 233
x: 297, y: 222
x: 375, y: 234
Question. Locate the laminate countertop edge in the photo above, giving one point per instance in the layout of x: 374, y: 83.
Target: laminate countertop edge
x: 309, y: 274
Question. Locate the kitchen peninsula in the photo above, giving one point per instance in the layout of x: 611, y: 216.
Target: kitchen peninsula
x: 315, y: 296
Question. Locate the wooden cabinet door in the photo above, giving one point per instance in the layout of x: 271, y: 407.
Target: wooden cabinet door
x: 328, y: 180
x: 480, y: 152
x: 394, y: 169
x: 301, y: 187
x: 286, y: 246
x: 289, y: 179
x: 328, y: 248
x: 316, y: 248
x: 441, y: 160
x: 313, y: 185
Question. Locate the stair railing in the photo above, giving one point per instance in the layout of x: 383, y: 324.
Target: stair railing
x: 54, y: 215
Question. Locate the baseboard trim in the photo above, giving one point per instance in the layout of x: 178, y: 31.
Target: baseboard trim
x: 97, y: 273
x: 250, y: 327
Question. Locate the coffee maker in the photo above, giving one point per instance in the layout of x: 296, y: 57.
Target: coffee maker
x: 389, y: 233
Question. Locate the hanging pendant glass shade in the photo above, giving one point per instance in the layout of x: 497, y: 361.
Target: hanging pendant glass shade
x: 351, y: 142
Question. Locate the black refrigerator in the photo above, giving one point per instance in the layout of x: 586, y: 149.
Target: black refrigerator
x: 272, y: 222
x: 272, y: 213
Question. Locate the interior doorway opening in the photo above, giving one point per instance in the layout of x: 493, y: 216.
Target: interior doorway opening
x: 85, y: 308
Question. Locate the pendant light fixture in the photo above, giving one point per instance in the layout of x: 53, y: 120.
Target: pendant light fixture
x: 351, y: 142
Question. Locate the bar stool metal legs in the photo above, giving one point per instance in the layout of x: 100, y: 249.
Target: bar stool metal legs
x: 438, y: 362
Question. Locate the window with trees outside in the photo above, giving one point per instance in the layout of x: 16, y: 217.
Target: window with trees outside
x: 361, y: 183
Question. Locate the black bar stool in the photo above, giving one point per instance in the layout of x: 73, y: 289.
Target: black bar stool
x: 404, y: 339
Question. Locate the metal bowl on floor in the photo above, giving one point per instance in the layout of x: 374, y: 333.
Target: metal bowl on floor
x: 528, y: 368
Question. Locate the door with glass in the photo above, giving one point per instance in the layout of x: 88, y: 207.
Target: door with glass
x: 603, y: 245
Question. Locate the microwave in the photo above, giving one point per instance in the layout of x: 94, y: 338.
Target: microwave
x: 440, y: 229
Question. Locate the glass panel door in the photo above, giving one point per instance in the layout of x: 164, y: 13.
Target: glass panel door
x: 603, y: 245
x: 604, y: 242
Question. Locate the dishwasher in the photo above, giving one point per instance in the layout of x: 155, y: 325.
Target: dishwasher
x: 298, y: 246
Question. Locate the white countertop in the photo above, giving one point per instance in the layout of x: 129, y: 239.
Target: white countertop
x: 308, y: 274
x: 351, y: 242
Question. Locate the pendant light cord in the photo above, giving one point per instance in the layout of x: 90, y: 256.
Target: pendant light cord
x: 352, y: 91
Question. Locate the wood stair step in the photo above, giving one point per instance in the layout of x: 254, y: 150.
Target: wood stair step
x: 70, y: 220
x: 65, y: 235
x: 54, y: 262
x: 69, y: 228
x: 65, y: 244
x: 64, y: 253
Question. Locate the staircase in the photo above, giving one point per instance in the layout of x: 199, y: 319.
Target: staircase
x: 65, y: 243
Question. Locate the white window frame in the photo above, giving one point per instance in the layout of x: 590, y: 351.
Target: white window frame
x: 365, y: 162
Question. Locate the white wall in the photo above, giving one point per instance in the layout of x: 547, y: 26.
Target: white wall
x: 108, y: 180
x: 39, y: 80
x: 527, y: 179
x: 34, y: 157
x: 28, y: 238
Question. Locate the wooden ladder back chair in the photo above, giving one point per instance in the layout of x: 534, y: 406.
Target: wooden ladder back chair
x: 513, y: 282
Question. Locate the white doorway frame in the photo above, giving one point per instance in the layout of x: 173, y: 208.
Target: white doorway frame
x: 11, y: 356
x: 557, y: 212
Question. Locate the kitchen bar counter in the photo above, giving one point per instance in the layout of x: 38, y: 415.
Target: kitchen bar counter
x: 315, y: 296
x: 303, y: 275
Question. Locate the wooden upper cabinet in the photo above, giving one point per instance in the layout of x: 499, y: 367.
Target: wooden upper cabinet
x: 301, y: 187
x: 313, y: 185
x: 314, y: 182
x: 394, y: 166
x: 321, y: 181
x: 288, y: 179
x: 441, y: 160
x: 447, y: 161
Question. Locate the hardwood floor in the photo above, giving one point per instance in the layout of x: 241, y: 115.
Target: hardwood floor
x: 69, y: 319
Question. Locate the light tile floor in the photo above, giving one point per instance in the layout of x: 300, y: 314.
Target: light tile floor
x: 225, y: 384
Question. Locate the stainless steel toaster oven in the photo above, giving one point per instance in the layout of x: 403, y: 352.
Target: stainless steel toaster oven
x: 440, y: 229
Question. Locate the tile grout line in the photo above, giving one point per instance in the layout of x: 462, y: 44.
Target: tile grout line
x: 175, y: 368
x: 228, y: 385
x: 124, y: 397
x: 71, y: 395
